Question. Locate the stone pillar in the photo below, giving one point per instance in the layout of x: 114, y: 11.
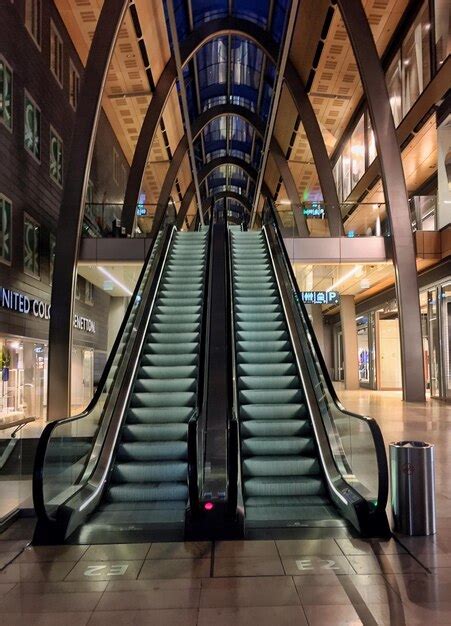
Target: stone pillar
x: 350, y: 347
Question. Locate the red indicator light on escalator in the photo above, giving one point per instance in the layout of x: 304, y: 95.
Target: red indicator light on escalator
x: 209, y: 506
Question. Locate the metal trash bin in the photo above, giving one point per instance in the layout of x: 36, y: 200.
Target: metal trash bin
x: 412, y: 487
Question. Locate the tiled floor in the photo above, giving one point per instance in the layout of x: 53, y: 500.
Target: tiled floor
x: 266, y: 583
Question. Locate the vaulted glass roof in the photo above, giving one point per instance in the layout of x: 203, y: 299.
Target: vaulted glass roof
x: 229, y: 69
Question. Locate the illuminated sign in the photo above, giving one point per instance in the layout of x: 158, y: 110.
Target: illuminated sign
x: 315, y: 211
x: 320, y: 297
x: 141, y: 210
x: 21, y: 303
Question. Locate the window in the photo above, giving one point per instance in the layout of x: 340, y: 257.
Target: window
x: 74, y: 86
x: 346, y: 170
x: 5, y: 229
x: 338, y: 179
x: 372, y: 150
x: 56, y: 158
x: 358, y: 152
x: 393, y: 80
x: 52, y: 253
x: 416, y: 63
x: 89, y: 293
x: 31, y: 239
x: 33, y: 19
x: 56, y: 54
x: 32, y: 127
x: 442, y: 11
x: 116, y: 166
x: 6, y: 94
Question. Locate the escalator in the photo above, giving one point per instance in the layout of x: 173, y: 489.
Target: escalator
x: 301, y: 460
x: 134, y: 478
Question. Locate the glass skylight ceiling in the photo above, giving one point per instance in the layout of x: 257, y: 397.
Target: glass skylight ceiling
x: 229, y: 69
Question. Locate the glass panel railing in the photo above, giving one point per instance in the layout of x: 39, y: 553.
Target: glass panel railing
x: 360, y: 219
x: 355, y: 441
x: 104, y: 220
x: 70, y: 448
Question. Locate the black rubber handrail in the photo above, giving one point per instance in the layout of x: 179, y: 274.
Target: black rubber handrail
x: 373, y: 426
x: 38, y: 469
x: 193, y: 424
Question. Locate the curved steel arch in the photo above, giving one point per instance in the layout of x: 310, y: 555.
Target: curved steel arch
x: 234, y: 196
x: 393, y: 181
x: 70, y: 218
x: 254, y: 120
x: 195, y: 40
x: 202, y: 175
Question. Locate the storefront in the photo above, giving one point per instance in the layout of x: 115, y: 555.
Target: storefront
x: 24, y: 353
x: 379, y: 348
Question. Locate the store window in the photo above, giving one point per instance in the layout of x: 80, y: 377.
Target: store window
x: 89, y: 293
x: 5, y: 229
x: 394, y: 87
x: 31, y: 243
x: 82, y: 378
x: 52, y: 254
x: 23, y: 365
x: 33, y: 19
x: 56, y: 157
x: 74, y: 86
x: 6, y: 94
x: 442, y: 12
x: 446, y: 338
x: 56, y: 54
x: 416, y: 62
x: 358, y: 152
x: 32, y: 127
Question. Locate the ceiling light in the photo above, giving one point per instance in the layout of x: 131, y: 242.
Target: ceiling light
x: 115, y: 281
x: 285, y: 202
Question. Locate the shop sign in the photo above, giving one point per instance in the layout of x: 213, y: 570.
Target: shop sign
x: 315, y: 211
x: 21, y: 303
x: 84, y: 323
x: 320, y: 297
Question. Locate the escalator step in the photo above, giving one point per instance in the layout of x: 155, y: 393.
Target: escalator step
x: 284, y: 486
x: 278, y: 446
x: 169, y: 360
x: 175, y: 371
x: 265, y: 357
x: 267, y: 369
x: 154, y: 432
x: 280, y: 466
x: 272, y: 412
x: 176, y: 399
x: 152, y: 451
x: 163, y: 471
x: 168, y: 385
x: 271, y: 396
x: 148, y: 492
x: 159, y: 415
x: 279, y: 428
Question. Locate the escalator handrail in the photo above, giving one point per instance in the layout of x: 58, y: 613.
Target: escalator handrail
x: 373, y: 426
x: 38, y: 470
x: 193, y: 424
x: 235, y: 493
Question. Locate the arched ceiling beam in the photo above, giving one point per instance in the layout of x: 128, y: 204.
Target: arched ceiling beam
x: 70, y: 218
x: 393, y: 181
x: 254, y: 120
x: 195, y: 40
x: 206, y: 171
x: 233, y: 196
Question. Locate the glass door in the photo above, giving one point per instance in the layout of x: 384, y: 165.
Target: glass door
x: 434, y: 343
x: 446, y: 338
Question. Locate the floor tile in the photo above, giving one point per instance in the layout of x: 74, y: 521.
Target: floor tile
x: 420, y: 587
x: 12, y: 546
x: 175, y: 568
x: 62, y: 587
x: 117, y: 552
x: 149, y: 599
x: 308, y: 547
x: 358, y: 546
x: 105, y: 570
x: 159, y: 617
x: 245, y: 548
x: 308, y: 565
x: 180, y: 550
x: 234, y: 592
x: 318, y: 594
x: 40, y: 554
x: 332, y: 616
x: 16, y: 602
x: 427, y: 614
x: 245, y: 616
x: 248, y: 566
x: 46, y: 619
x: 27, y: 572
x: 155, y: 583
x: 385, y: 563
